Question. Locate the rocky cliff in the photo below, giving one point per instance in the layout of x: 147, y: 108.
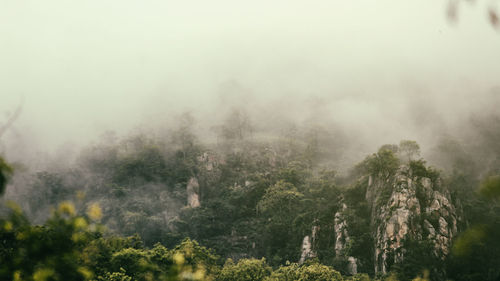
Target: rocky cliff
x: 406, y: 206
x: 409, y: 207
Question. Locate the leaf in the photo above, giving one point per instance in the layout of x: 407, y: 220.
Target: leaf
x: 452, y: 11
x: 493, y: 17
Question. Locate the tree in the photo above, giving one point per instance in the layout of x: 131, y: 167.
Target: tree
x: 49, y: 252
x: 11, y: 119
x: 476, y: 251
x: 245, y: 270
x: 409, y: 150
x: 236, y: 127
x: 308, y: 272
x: 384, y: 163
x: 280, y: 207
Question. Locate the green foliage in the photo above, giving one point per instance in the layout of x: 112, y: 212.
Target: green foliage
x: 147, y: 164
x: 49, y: 252
x: 70, y: 247
x: 280, y: 206
x: 419, y: 258
x: 135, y: 262
x: 295, y: 173
x: 308, y: 272
x: 115, y: 276
x: 98, y: 253
x: 475, y: 252
x: 418, y: 168
x: 5, y: 173
x: 490, y: 188
x: 245, y: 270
x: 359, y: 277
x: 198, y: 256
x: 279, y: 200
x: 49, y: 189
x: 257, y: 200
x: 383, y: 164
x: 409, y: 150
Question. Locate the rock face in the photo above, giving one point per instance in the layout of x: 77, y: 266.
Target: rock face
x: 207, y: 172
x: 342, y: 238
x: 192, y: 190
x: 341, y: 234
x: 307, y: 246
x: 307, y: 251
x: 408, y: 207
x: 352, y: 267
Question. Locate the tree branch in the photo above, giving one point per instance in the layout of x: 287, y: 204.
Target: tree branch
x: 12, y: 118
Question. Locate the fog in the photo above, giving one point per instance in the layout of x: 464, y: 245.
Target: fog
x: 376, y: 71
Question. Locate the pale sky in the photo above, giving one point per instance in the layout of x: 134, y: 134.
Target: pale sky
x: 88, y: 66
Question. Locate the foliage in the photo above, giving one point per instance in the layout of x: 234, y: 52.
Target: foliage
x: 383, y: 164
x: 5, y: 172
x: 475, y: 253
x: 409, y: 150
x: 72, y: 247
x: 418, y: 259
x: 115, y: 276
x: 258, y: 199
x: 280, y: 206
x: 418, y: 168
x: 197, y: 256
x: 308, y: 272
x: 245, y: 270
x: 490, y: 188
x: 359, y: 277
x: 49, y: 252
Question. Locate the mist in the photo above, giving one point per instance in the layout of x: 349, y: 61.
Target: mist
x: 382, y: 71
x: 373, y: 73
x: 218, y: 140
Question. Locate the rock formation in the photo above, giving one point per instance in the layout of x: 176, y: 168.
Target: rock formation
x: 192, y: 190
x: 307, y: 245
x: 409, y: 207
x: 342, y: 239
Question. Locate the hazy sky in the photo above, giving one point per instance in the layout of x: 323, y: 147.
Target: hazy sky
x: 87, y: 66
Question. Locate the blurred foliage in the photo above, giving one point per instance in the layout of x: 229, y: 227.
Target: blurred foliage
x: 48, y: 252
x: 5, y: 173
x: 476, y: 252
x: 490, y: 188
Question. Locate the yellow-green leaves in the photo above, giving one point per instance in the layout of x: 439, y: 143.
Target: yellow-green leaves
x: 490, y: 188
x: 94, y: 212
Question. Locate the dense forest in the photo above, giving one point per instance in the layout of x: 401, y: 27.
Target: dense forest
x: 249, y: 140
x: 248, y: 207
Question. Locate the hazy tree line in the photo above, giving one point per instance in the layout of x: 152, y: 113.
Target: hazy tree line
x: 120, y: 211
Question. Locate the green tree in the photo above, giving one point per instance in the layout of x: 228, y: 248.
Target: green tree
x: 245, y: 270
x: 49, y: 252
x: 383, y: 164
x: 409, y: 150
x: 308, y: 272
x: 280, y: 206
x: 476, y: 252
x: 115, y: 276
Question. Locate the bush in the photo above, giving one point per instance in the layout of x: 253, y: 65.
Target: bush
x: 310, y: 272
x: 245, y: 270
